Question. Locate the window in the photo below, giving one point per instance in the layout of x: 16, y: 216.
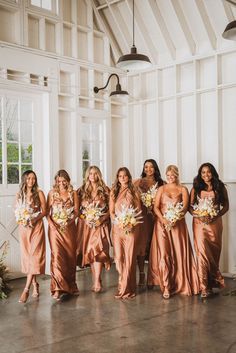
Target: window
x: 93, y: 142
x: 16, y: 136
x: 49, y: 5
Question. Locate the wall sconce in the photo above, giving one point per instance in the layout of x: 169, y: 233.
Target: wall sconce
x: 118, y: 87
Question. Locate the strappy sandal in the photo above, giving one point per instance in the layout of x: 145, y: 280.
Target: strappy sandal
x: 24, y: 296
x: 35, y: 293
x: 166, y: 294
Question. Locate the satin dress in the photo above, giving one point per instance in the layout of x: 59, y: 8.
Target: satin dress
x: 63, y: 252
x: 93, y: 243
x: 207, y: 243
x: 146, y: 228
x: 32, y: 245
x: 171, y: 263
x: 125, y: 248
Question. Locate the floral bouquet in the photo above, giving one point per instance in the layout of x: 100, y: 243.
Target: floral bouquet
x: 127, y: 218
x: 4, y: 288
x: 173, y: 214
x: 91, y: 213
x: 24, y: 213
x: 149, y: 196
x: 204, y: 208
x: 61, y: 215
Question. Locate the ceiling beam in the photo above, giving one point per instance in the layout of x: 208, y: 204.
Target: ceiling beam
x: 107, y: 30
x: 104, y: 6
x: 163, y: 28
x: 143, y: 31
x: 184, y: 25
x: 206, y: 22
x: 119, y: 26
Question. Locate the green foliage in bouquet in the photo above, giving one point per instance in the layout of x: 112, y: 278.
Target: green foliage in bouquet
x: 4, y: 288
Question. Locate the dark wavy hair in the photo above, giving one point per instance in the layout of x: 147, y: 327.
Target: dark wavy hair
x: 117, y: 185
x: 157, y: 173
x: 217, y: 185
x: 35, y: 188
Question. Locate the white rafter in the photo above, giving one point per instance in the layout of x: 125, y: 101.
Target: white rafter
x: 106, y: 28
x: 163, y: 28
x: 206, y: 22
x: 121, y: 30
x: 140, y: 25
x: 184, y: 25
x: 104, y: 6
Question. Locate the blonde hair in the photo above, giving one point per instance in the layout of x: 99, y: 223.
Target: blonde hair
x: 174, y: 170
x: 86, y: 189
x: 62, y: 174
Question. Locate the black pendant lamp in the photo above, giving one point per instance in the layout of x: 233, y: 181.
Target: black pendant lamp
x: 133, y: 61
x: 230, y: 31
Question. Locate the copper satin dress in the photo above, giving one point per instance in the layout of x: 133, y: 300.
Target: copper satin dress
x: 207, y: 243
x: 93, y: 243
x: 63, y: 253
x: 146, y: 228
x: 32, y: 244
x: 171, y: 262
x: 125, y: 248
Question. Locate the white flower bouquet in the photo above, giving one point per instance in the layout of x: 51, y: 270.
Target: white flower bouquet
x: 173, y: 214
x: 148, y: 197
x: 91, y: 213
x: 24, y: 213
x: 204, y: 208
x: 61, y: 215
x: 127, y: 218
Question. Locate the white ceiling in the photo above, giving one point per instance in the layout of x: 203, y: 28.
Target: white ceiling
x: 166, y: 30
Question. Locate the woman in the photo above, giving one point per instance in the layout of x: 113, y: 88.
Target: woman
x: 207, y: 230
x: 125, y: 240
x: 171, y: 262
x: 94, y: 234
x: 148, y: 184
x: 63, y: 210
x: 30, y: 210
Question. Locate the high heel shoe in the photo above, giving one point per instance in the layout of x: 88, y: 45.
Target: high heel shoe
x: 166, y: 294
x: 98, y: 287
x: 35, y: 293
x: 24, y: 296
x: 141, y: 279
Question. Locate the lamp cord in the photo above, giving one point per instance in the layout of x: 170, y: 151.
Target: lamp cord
x: 133, y: 23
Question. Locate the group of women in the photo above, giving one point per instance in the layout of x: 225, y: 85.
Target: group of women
x: 166, y: 245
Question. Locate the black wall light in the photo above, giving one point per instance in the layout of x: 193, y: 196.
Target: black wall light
x: 118, y: 87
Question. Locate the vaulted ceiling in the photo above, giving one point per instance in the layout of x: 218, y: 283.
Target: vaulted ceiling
x: 166, y: 30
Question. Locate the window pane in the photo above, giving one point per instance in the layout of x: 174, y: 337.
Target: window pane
x: 96, y: 132
x: 26, y: 131
x: 0, y: 129
x: 26, y: 167
x: 85, y: 131
x: 13, y: 174
x: 47, y: 4
x: 95, y: 151
x: 35, y: 2
x: 26, y: 112
x: 86, y: 151
x: 26, y: 153
x: 0, y: 173
x: 12, y: 130
x: 0, y: 152
x: 85, y: 167
x: 12, y: 152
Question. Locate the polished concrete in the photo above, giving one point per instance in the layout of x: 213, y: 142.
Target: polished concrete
x: 98, y: 323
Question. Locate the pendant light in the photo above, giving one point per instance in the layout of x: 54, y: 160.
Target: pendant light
x: 118, y: 90
x: 230, y: 30
x: 133, y: 61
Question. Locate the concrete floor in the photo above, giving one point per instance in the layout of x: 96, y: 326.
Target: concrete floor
x: 98, y: 323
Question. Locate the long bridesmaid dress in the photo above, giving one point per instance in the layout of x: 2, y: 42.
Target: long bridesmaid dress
x: 93, y: 243
x: 63, y: 252
x: 125, y: 247
x: 32, y: 244
x: 146, y: 228
x: 208, y: 242
x: 171, y: 262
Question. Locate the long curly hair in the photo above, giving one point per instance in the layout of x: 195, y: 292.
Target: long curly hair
x: 217, y: 185
x: 85, y: 192
x: 157, y: 173
x: 117, y: 185
x: 35, y: 188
